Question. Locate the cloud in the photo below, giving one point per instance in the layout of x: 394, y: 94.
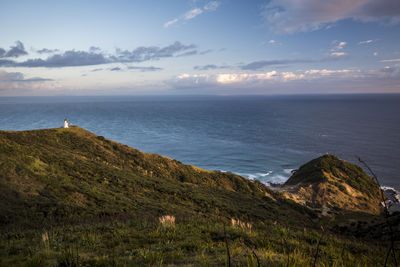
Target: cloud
x: 2, y: 52
x: 98, y: 69
x: 339, y: 46
x: 338, y: 54
x: 19, y: 77
x: 141, y: 54
x: 71, y: 58
x: 75, y: 58
x: 47, y: 51
x: 286, y: 16
x: 262, y: 78
x: 115, y: 69
x: 210, y: 67
x: 17, y: 80
x: 365, y: 42
x: 375, y: 54
x: 171, y: 22
x: 256, y: 65
x: 271, y: 41
x: 206, y: 52
x: 144, y: 69
x: 391, y: 60
x: 191, y: 14
x: 6, y: 63
x: 325, y: 72
x: 188, y: 53
x: 14, y: 51
x: 212, y: 6
x: 94, y: 49
x: 393, y: 72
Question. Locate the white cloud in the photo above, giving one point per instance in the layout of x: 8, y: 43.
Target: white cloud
x: 391, y: 60
x: 212, y: 6
x: 191, y: 14
x: 375, y: 54
x: 325, y: 72
x: 271, y: 41
x: 365, y: 42
x: 339, y: 46
x: 338, y: 54
x: 258, y: 79
x: 169, y: 23
x: 228, y: 78
x: 288, y: 16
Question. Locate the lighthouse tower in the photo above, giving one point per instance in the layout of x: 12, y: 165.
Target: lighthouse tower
x: 65, y: 123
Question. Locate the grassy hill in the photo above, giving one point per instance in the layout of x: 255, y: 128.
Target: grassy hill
x: 55, y: 173
x: 334, y: 185
x: 71, y: 198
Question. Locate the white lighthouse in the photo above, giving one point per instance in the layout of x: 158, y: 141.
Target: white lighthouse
x: 65, y: 123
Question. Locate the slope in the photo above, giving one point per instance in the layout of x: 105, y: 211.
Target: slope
x: 69, y: 174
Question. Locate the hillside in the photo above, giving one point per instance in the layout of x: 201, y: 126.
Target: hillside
x: 71, y: 198
x: 332, y: 185
x: 53, y: 172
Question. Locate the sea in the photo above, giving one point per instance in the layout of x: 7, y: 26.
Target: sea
x: 259, y: 137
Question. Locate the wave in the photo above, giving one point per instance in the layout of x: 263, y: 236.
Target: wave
x: 288, y: 171
x: 270, y: 178
x: 392, y: 198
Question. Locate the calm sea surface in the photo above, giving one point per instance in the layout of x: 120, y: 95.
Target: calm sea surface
x: 258, y: 137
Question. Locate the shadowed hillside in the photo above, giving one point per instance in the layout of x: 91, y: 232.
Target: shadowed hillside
x: 60, y: 173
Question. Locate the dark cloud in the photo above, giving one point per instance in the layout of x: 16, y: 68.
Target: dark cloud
x: 206, y: 67
x: 379, y: 9
x: 188, y: 53
x: 144, y: 69
x: 47, y: 51
x: 69, y: 58
x: 14, y: 79
x: 14, y: 51
x: 256, y: 65
x: 115, y: 69
x: 205, y: 52
x: 94, y: 70
x: 210, y: 67
x: 143, y: 53
x: 282, y: 16
x: 73, y: 58
x: 6, y: 63
x: 94, y: 49
x: 36, y: 79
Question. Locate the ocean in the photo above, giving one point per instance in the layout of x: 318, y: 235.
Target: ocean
x: 259, y: 137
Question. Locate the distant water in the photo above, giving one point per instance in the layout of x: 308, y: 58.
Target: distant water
x: 259, y: 137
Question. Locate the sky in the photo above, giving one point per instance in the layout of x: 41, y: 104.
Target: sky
x: 196, y: 47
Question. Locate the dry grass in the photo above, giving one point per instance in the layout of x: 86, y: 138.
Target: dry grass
x: 241, y: 224
x: 167, y: 221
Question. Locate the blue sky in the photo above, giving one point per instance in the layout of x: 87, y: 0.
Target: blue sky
x: 225, y: 47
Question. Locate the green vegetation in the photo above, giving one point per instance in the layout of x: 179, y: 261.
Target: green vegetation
x: 71, y: 198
